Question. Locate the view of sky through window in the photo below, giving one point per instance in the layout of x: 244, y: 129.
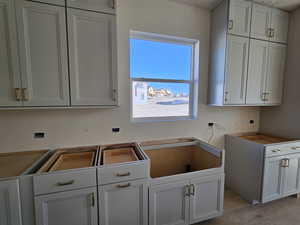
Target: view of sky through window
x: 160, y: 60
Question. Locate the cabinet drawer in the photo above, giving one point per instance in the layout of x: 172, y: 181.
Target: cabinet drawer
x: 121, y: 173
x: 56, y: 182
x: 282, y: 149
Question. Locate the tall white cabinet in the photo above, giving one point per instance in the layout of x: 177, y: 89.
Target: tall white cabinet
x: 248, y: 54
x: 10, y: 205
x: 10, y: 81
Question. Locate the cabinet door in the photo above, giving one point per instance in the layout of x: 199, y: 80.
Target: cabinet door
x: 292, y: 175
x: 43, y: 48
x: 169, y: 204
x: 10, y: 206
x: 261, y: 22
x: 276, y: 69
x: 240, y: 17
x: 73, y: 207
x: 280, y: 26
x: 236, y: 70
x: 92, y: 45
x: 206, y: 198
x: 124, y: 203
x: 257, y: 73
x: 9, y: 65
x: 107, y: 6
x: 273, y: 179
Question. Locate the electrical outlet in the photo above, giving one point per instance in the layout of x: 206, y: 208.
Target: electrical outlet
x: 115, y: 130
x: 210, y: 124
x: 39, y: 135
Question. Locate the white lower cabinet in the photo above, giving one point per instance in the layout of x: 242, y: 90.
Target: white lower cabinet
x: 77, y: 207
x: 186, y: 202
x: 124, y: 203
x: 10, y: 205
x: 281, y: 177
x: 169, y: 204
x: 206, y: 199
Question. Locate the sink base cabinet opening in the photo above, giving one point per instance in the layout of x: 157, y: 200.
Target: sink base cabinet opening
x: 187, y: 184
x: 179, y: 160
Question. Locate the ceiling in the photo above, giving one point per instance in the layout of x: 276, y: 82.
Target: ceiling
x: 288, y: 5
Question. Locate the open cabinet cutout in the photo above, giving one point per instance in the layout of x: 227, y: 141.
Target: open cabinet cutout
x: 75, y: 158
x: 122, y: 153
x: 16, y: 163
x: 178, y: 160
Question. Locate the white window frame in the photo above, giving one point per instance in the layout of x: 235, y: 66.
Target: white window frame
x: 193, y: 82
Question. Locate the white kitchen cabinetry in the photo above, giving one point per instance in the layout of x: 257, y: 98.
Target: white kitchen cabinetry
x: 236, y: 70
x: 276, y: 69
x: 169, y: 204
x: 269, y: 23
x: 77, y: 207
x: 124, y: 203
x: 105, y: 6
x: 53, y: 2
x: 266, y: 72
x: 239, y: 17
x: 262, y: 168
x: 236, y: 77
x: 186, y: 202
x: 43, y: 54
x: 10, y: 205
x: 10, y: 81
x: 92, y: 51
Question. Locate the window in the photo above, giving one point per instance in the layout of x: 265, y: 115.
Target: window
x: 164, y: 77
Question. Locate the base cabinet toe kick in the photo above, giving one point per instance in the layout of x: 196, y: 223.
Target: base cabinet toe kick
x: 120, y: 184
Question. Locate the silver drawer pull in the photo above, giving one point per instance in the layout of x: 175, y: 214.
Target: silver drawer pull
x: 65, y: 183
x: 276, y: 150
x: 123, y: 174
x: 296, y: 147
x: 123, y: 185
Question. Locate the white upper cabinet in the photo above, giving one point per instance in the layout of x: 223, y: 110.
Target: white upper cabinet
x: 276, y: 69
x: 124, y: 203
x: 78, y: 207
x: 43, y: 54
x: 10, y: 83
x: 236, y: 70
x: 10, y: 205
x: 269, y: 24
x: 106, y: 6
x: 92, y: 52
x: 261, y: 22
x: 279, y: 26
x: 257, y: 73
x: 239, y: 17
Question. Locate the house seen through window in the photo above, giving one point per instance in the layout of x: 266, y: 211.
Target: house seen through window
x: 164, y: 77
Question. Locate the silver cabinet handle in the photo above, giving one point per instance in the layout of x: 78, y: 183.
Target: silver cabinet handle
x: 123, y: 174
x: 25, y: 94
x: 92, y: 199
x: 272, y: 33
x: 114, y: 95
x: 230, y: 24
x: 65, y: 183
x: 18, y: 94
x: 113, y: 4
x: 192, y: 191
x: 295, y: 148
x: 285, y: 163
x: 226, y: 96
x: 123, y: 185
x: 187, y: 190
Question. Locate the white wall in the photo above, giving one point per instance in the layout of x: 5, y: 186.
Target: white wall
x: 87, y: 127
x: 285, y: 120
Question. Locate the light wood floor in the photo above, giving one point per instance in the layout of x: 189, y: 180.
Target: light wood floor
x: 238, y: 212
